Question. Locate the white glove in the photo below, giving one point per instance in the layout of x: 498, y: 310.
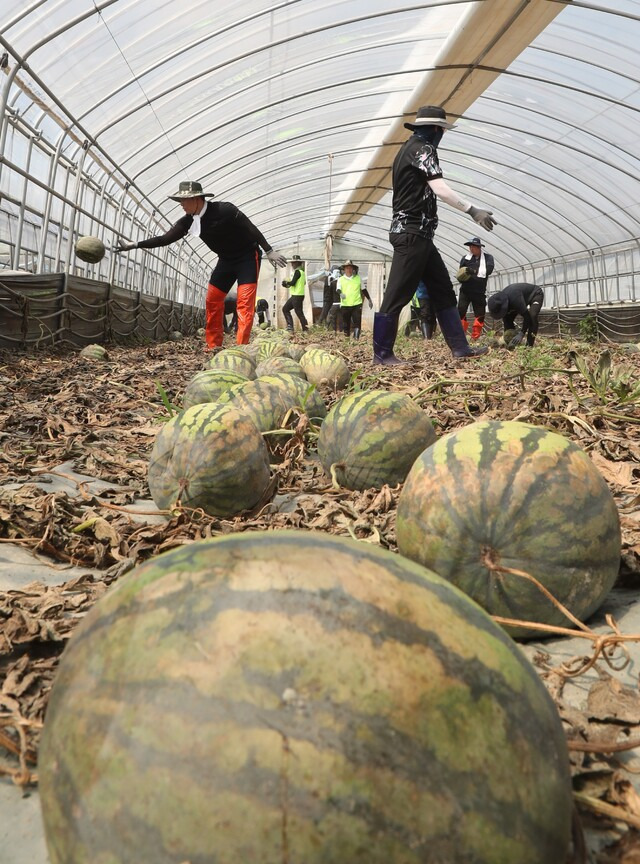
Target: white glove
x: 482, y: 217
x: 276, y: 258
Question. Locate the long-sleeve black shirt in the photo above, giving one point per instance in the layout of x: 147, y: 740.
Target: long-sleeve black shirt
x: 224, y: 229
x: 476, y: 284
x: 520, y: 296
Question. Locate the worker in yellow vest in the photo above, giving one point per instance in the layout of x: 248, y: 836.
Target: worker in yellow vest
x: 351, y: 293
x: 296, y: 286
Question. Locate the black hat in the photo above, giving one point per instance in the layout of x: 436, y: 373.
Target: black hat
x: 190, y: 189
x: 498, y: 305
x: 430, y: 115
x: 475, y: 241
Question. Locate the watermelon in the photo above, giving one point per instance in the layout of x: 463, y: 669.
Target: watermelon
x: 322, y: 367
x: 275, y: 364
x: 90, y: 249
x: 266, y: 404
x: 306, y: 395
x: 289, y: 696
x: 209, y: 456
x: 507, y: 336
x: 234, y: 361
x: 507, y: 493
x: 94, y: 352
x: 200, y: 331
x: 176, y: 336
x: 296, y: 351
x: 373, y: 437
x: 206, y: 386
x: 270, y: 348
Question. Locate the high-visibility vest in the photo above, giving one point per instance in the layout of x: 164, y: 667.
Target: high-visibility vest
x: 415, y: 301
x: 351, y: 288
x: 297, y: 288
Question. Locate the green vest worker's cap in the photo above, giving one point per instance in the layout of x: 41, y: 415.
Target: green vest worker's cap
x: 297, y: 260
x: 190, y: 189
x: 349, y: 263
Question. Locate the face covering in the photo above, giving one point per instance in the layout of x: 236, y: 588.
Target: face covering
x: 432, y: 134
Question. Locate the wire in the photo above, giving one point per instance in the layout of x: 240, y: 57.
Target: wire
x: 136, y: 79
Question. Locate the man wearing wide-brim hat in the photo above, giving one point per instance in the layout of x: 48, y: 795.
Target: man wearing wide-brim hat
x: 237, y: 243
x: 417, y: 185
x: 351, y: 292
x: 296, y: 286
x: 474, y: 270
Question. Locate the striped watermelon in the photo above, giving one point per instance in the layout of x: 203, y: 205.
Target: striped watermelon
x: 233, y: 360
x: 270, y: 348
x: 275, y: 364
x: 94, y: 352
x: 509, y: 493
x: 322, y: 367
x: 266, y: 404
x: 373, y: 437
x: 306, y: 395
x: 296, y: 351
x: 288, y: 696
x: 208, y: 385
x: 209, y: 456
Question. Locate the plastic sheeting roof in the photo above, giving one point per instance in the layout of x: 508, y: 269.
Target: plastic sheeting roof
x: 284, y: 108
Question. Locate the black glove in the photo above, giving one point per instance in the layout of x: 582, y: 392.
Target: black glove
x: 517, y: 339
x: 284, y: 283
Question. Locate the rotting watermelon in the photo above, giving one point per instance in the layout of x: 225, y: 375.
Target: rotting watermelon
x: 209, y: 456
x: 291, y: 696
x: 206, y: 386
x: 323, y: 367
x: 373, y: 437
x: 509, y: 494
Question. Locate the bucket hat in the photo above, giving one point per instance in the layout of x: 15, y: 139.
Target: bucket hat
x: 190, y: 189
x: 475, y: 241
x: 430, y: 115
x: 349, y: 263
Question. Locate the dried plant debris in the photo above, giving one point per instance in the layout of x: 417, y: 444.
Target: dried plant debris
x: 58, y: 409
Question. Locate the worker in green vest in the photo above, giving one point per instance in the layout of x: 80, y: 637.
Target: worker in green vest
x: 296, y: 286
x: 351, y: 293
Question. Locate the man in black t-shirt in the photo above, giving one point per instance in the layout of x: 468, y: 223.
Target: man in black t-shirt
x: 521, y: 298
x: 237, y: 243
x: 417, y: 184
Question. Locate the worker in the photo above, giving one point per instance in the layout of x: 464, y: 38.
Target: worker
x: 262, y: 310
x: 237, y: 243
x: 520, y: 298
x: 417, y: 184
x: 334, y: 318
x: 230, y: 309
x: 296, y: 286
x: 351, y: 293
x: 474, y: 270
x: 422, y: 313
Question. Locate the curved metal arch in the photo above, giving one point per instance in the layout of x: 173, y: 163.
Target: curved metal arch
x: 287, y: 40
x: 314, y: 108
x: 251, y: 180
x: 594, y: 8
x: 266, y: 80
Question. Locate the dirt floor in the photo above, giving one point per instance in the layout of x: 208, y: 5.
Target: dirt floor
x: 75, y: 515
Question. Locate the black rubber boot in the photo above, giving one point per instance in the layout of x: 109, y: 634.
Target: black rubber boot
x: 424, y: 329
x: 385, y: 329
x: 454, y: 335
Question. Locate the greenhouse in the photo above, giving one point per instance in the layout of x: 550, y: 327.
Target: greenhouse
x: 283, y: 577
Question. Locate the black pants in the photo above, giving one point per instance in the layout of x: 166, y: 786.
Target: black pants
x: 416, y: 258
x: 530, y: 329
x: 477, y: 301
x: 294, y: 302
x: 351, y: 315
